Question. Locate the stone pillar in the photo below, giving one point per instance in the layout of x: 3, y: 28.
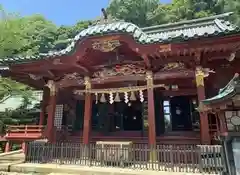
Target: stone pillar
x: 204, y: 123
x: 87, y: 113
x: 51, y: 111
x: 151, y: 116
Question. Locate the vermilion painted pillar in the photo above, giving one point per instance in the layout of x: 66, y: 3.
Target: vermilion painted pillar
x: 24, y: 147
x: 51, y: 111
x: 41, y: 119
x: 87, y: 118
x: 7, y: 147
x: 204, y: 123
x: 87, y: 112
x: 43, y: 108
x: 50, y: 119
x: 151, y: 117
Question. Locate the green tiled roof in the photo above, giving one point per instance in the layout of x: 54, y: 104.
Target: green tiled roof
x: 173, y: 32
x: 228, y: 92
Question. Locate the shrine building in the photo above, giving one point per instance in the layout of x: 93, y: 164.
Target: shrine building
x: 118, y: 82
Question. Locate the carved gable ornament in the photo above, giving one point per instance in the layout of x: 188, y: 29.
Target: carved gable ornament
x: 106, y: 45
x: 71, y: 79
x: 122, y: 70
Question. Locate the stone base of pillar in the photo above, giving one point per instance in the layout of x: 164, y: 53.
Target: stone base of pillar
x: 86, y: 152
x: 153, y: 155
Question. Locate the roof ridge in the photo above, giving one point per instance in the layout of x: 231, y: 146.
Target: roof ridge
x: 198, y: 20
x: 179, y: 27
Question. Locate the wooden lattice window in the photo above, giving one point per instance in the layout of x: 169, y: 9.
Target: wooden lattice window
x: 58, y: 116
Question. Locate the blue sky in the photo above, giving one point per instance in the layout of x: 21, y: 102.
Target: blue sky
x: 61, y: 12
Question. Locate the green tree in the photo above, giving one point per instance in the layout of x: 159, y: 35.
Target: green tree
x: 233, y: 6
x: 151, y: 12
x: 66, y: 33
x: 22, y: 36
x: 140, y: 12
x: 191, y: 9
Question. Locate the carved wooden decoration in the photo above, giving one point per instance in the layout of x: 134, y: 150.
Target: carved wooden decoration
x: 35, y: 77
x: 71, y: 79
x: 57, y: 62
x: 72, y: 76
x: 173, y: 66
x: 199, y: 77
x: 52, y: 87
x: 106, y: 45
x: 165, y: 48
x: 128, y: 69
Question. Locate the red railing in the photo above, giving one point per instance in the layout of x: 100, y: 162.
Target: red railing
x: 25, y: 131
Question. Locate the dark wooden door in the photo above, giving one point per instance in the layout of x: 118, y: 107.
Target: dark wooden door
x: 180, y: 112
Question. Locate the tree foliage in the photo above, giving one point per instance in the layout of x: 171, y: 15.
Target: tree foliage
x: 151, y: 12
x: 34, y: 34
x: 140, y: 12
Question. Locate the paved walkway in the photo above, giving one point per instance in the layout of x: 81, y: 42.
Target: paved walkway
x: 13, y: 162
x: 76, y: 169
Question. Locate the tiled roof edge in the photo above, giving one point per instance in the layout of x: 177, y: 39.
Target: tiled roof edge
x: 199, y: 20
x: 231, y: 85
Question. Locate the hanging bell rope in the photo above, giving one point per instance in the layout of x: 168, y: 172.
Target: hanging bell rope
x: 118, y: 90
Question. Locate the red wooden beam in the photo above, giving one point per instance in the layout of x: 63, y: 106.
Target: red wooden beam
x: 174, y: 74
x: 180, y: 92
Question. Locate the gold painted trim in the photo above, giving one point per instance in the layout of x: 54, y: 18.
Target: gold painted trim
x: 149, y: 78
x: 199, y: 77
x: 87, y: 83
